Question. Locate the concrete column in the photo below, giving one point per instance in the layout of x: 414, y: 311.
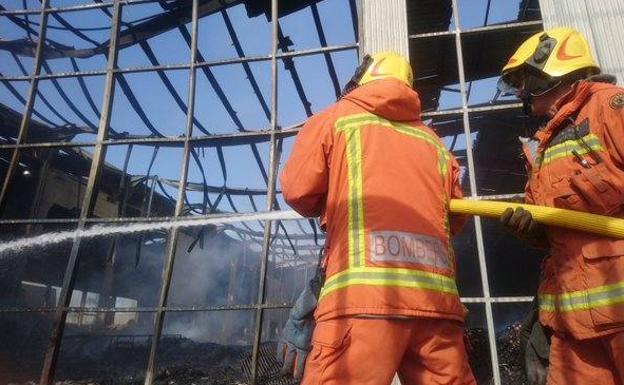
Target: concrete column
x: 601, y: 23
x: 383, y: 27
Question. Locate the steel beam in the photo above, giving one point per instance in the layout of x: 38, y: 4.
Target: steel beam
x: 473, y: 192
x: 184, y: 309
x: 159, y: 318
x: 52, y: 352
x: 28, y: 108
x: 273, y: 165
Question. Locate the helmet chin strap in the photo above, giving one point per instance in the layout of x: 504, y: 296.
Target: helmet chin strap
x: 527, y: 101
x: 357, y: 76
x: 528, y: 96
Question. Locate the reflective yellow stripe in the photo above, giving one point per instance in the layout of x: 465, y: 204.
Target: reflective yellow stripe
x: 351, y: 126
x: 565, y: 149
x: 584, y: 299
x: 380, y: 276
x: 358, y: 121
x: 358, y: 273
x: 357, y: 248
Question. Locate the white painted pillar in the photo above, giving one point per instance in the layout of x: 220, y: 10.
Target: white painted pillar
x: 599, y: 20
x: 384, y: 27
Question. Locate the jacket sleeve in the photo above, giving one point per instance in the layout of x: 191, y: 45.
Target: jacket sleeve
x: 305, y: 177
x: 456, y: 222
x: 529, y: 153
x: 528, y: 194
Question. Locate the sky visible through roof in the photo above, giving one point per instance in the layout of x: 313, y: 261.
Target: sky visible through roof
x: 215, y: 43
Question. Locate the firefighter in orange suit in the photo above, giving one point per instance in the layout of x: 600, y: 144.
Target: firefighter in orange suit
x: 380, y: 181
x: 576, y: 161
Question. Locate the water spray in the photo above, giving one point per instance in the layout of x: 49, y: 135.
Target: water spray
x: 49, y: 239
x: 576, y: 220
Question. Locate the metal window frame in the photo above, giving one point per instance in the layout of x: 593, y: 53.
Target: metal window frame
x: 273, y: 134
x: 262, y: 135
x: 52, y: 352
x: 487, y: 298
x: 186, y: 66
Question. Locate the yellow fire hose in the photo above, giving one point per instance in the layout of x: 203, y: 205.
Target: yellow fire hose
x: 576, y: 220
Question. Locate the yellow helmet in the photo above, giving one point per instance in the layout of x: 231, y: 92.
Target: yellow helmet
x: 556, y: 52
x: 385, y: 65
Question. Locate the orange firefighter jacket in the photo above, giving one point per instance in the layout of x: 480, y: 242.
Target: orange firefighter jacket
x: 579, y: 165
x: 380, y: 181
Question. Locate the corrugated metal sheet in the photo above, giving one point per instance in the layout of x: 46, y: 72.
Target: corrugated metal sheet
x: 384, y: 26
x: 602, y: 23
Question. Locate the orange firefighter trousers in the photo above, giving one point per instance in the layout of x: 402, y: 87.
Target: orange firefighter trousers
x: 595, y: 361
x: 369, y: 351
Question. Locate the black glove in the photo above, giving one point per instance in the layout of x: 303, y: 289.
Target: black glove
x: 534, y: 349
x: 536, y: 356
x: 520, y: 222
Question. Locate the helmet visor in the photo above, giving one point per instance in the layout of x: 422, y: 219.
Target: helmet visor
x: 526, y: 81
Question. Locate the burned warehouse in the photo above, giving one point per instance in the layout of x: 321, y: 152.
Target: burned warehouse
x: 144, y: 234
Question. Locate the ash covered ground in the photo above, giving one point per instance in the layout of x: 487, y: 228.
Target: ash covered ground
x: 115, y: 360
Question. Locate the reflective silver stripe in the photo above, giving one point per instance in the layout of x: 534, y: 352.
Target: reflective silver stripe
x: 530, y: 145
x: 583, y: 300
x: 566, y: 149
x: 390, y: 277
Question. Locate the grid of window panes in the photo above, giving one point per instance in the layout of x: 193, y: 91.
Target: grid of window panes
x: 122, y: 119
x: 122, y: 114
x: 457, y: 49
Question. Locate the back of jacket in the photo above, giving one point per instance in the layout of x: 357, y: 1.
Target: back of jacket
x: 380, y: 181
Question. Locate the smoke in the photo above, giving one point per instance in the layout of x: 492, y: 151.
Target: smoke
x: 220, y: 271
x: 224, y: 272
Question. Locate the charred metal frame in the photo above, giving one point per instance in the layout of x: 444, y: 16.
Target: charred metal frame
x: 465, y: 112
x: 184, y: 66
x: 173, y: 237
x: 473, y: 192
x: 52, y: 352
x: 273, y: 164
x: 273, y: 134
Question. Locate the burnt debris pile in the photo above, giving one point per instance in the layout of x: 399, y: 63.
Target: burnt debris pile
x: 121, y: 359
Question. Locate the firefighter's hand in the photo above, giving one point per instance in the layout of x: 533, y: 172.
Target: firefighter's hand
x: 534, y: 348
x: 537, y: 354
x: 293, y: 348
x: 536, y: 368
x: 294, y: 345
x: 520, y: 222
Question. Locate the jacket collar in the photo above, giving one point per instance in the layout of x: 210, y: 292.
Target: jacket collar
x: 388, y: 98
x: 569, y: 105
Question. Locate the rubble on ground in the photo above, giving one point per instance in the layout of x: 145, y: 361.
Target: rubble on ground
x: 182, y: 361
